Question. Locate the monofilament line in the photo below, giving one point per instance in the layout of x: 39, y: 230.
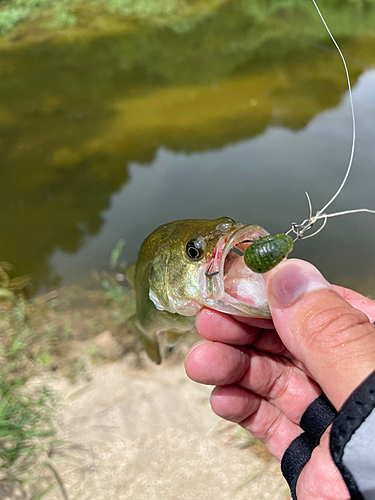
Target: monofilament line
x: 300, y: 229
x: 351, y: 107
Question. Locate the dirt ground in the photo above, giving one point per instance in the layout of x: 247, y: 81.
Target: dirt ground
x: 127, y: 428
x: 150, y: 434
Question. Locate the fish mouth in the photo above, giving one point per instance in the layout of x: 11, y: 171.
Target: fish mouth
x: 236, y: 288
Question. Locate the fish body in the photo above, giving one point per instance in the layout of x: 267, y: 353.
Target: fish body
x: 188, y: 264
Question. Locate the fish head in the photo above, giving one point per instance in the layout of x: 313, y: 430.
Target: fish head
x: 196, y: 263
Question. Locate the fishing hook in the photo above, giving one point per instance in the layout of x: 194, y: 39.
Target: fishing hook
x: 208, y: 274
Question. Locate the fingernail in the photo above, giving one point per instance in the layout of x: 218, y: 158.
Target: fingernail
x: 292, y: 279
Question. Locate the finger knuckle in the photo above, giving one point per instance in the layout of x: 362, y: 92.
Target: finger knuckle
x: 333, y: 327
x: 271, y: 428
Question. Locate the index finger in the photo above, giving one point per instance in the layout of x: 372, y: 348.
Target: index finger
x: 358, y: 301
x: 220, y: 327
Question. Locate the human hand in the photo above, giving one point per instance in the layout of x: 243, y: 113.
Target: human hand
x: 322, y: 340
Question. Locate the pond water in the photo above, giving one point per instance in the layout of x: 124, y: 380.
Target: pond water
x: 108, y: 138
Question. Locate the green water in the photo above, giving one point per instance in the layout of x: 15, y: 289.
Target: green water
x: 235, y: 113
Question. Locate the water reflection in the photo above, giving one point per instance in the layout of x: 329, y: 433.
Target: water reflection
x: 260, y: 180
x: 223, y: 130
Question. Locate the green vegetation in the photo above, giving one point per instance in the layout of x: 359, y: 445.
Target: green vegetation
x: 145, y: 8
x: 57, y: 14
x: 50, y: 333
x: 62, y: 15
x: 27, y: 434
x: 120, y: 297
x: 12, y: 12
x: 10, y: 17
x: 180, y: 15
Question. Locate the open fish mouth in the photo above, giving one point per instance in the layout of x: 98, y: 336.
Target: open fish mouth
x: 237, y: 289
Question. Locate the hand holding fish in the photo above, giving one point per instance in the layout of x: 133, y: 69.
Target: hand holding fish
x: 322, y: 340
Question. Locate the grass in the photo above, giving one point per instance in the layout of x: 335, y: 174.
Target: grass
x: 10, y: 17
x: 36, y: 336
x: 59, y: 13
x: 14, y: 11
x: 120, y: 297
x: 27, y: 433
x: 145, y: 8
x: 180, y: 15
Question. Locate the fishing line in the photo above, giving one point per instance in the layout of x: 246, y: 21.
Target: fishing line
x: 300, y: 229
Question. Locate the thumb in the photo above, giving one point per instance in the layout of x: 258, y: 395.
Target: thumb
x: 332, y: 339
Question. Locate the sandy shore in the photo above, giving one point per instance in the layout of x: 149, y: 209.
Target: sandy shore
x: 150, y: 434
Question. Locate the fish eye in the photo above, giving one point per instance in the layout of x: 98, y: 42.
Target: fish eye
x: 195, y: 248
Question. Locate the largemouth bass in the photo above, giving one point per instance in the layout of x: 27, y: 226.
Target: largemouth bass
x: 187, y: 264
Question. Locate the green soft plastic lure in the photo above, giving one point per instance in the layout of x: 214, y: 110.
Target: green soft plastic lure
x: 265, y: 253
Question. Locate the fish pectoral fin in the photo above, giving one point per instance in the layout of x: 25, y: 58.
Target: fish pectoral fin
x: 150, y: 345
x: 173, y: 336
